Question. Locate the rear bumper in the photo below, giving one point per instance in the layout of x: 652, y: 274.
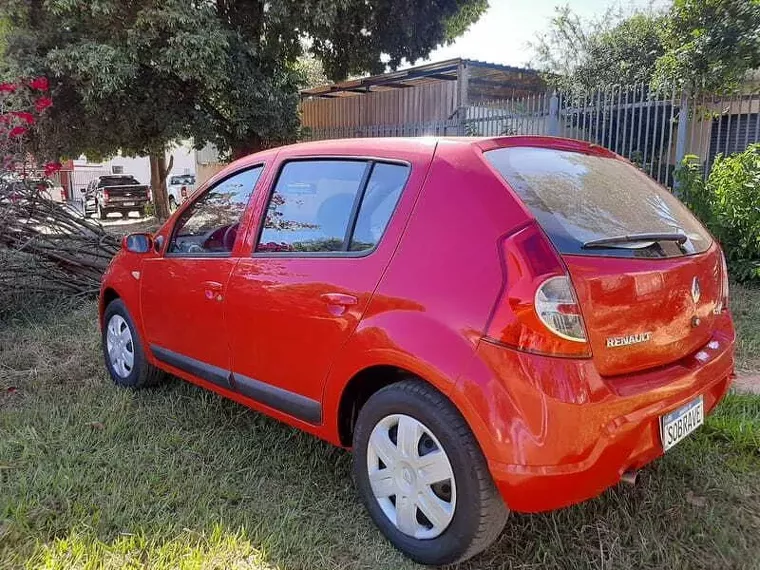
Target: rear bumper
x: 555, y: 433
x: 116, y: 204
x: 630, y: 443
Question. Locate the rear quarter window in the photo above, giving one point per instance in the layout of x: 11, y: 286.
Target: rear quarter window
x: 578, y: 198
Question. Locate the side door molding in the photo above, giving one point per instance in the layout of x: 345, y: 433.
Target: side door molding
x: 213, y: 374
x: 282, y: 400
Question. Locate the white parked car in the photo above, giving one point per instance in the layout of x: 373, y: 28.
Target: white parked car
x: 50, y: 190
x: 46, y: 188
x: 179, y: 187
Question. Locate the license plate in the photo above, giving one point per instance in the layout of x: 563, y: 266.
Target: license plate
x: 681, y: 422
x: 129, y: 204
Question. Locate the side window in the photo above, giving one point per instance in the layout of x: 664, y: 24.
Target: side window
x: 383, y: 191
x: 210, y: 224
x: 311, y: 205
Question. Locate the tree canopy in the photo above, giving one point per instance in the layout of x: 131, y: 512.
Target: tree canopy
x: 612, y: 49
x: 709, y: 44
x: 697, y: 44
x: 135, y: 74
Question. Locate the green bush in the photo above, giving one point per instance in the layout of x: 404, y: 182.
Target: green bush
x: 728, y: 202
x: 692, y: 189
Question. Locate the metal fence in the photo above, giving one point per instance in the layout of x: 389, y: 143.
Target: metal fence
x: 427, y: 129
x: 653, y: 129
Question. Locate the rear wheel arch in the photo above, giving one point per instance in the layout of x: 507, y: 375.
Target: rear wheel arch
x: 358, y: 390
x: 362, y: 385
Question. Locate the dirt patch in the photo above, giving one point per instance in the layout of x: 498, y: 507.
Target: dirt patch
x: 122, y: 226
x: 746, y: 382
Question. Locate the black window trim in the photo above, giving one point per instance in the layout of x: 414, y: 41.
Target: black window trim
x: 351, y: 227
x: 214, y: 254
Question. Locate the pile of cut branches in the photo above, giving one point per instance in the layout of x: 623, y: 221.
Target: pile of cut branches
x: 47, y: 246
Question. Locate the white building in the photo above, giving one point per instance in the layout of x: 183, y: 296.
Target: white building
x: 138, y: 166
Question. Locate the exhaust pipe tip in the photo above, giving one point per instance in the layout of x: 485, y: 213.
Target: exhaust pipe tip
x: 629, y: 477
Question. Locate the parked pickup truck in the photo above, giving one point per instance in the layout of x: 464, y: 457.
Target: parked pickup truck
x: 115, y: 193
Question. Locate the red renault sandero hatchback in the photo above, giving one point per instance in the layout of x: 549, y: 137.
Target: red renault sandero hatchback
x: 493, y: 324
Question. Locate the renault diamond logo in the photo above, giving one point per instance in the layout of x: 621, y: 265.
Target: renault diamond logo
x: 696, y: 291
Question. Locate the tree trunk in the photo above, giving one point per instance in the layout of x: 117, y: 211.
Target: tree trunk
x: 158, y: 172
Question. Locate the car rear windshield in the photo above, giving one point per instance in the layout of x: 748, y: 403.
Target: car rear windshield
x: 579, y: 199
x: 117, y: 181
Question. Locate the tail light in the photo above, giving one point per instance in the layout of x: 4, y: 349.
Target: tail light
x: 183, y: 192
x: 723, y: 303
x: 538, y: 309
x: 105, y: 194
x: 557, y: 308
x: 63, y: 195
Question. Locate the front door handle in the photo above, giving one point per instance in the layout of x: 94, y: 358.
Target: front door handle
x: 213, y: 290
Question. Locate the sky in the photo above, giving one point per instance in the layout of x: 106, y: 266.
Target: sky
x: 503, y: 32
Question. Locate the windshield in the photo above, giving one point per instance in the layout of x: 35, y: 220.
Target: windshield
x: 579, y: 198
x: 181, y: 180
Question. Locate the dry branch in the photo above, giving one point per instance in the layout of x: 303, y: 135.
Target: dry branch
x: 47, y: 246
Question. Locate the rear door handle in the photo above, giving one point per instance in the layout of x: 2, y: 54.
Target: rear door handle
x: 213, y: 290
x: 340, y: 299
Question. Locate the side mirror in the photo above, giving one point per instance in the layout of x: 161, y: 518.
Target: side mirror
x: 137, y: 243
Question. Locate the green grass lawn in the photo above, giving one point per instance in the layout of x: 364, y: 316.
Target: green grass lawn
x: 92, y: 476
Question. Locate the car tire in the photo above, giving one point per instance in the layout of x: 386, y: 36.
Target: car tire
x: 122, y: 344
x: 464, y: 521
x: 102, y: 212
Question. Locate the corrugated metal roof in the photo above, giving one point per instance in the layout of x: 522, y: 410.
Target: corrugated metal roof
x: 482, y: 76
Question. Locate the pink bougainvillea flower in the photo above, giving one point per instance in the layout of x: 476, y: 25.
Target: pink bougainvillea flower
x: 17, y: 132
x: 8, y: 87
x: 39, y: 83
x: 51, y: 168
x: 28, y: 118
x: 42, y: 103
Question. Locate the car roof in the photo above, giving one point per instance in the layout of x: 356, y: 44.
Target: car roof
x: 402, y: 145
x: 405, y: 148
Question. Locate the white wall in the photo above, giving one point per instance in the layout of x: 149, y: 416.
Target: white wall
x: 139, y: 166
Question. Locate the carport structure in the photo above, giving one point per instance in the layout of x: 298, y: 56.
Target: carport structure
x: 435, y: 92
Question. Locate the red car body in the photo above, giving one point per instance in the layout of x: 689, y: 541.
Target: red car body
x: 446, y: 296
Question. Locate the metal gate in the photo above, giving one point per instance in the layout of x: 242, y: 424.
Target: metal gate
x: 654, y: 129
